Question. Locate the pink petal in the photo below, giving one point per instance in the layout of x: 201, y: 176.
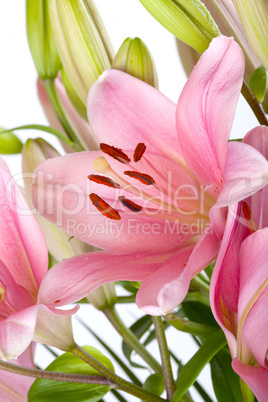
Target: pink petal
x: 73, y: 279
x: 206, y: 108
x: 15, y: 387
x: 124, y: 111
x: 162, y: 291
x: 255, y: 329
x: 22, y: 245
x: 258, y: 203
x: 255, y: 377
x: 220, y: 288
x: 246, y: 172
x: 16, y: 332
x: 61, y: 194
x: 253, y: 266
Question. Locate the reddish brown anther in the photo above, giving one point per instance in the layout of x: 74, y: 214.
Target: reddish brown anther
x: 103, y: 180
x: 143, y: 177
x: 104, y: 208
x: 115, y: 153
x: 252, y: 226
x: 139, y: 151
x: 132, y: 206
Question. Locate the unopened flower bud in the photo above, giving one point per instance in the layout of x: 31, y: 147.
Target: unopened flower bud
x: 189, y: 21
x: 59, y: 243
x: 40, y: 38
x: 134, y: 58
x: 82, y: 42
x: 9, y: 143
x: 103, y: 297
x: 74, y: 98
x: 254, y: 18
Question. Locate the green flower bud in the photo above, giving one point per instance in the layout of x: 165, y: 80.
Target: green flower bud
x: 254, y: 18
x: 74, y: 98
x: 103, y: 297
x: 82, y: 42
x: 188, y: 20
x: 9, y: 143
x: 59, y: 243
x: 134, y: 58
x: 40, y: 38
x: 257, y: 83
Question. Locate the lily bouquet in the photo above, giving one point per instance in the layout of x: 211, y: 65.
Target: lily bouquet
x: 149, y: 203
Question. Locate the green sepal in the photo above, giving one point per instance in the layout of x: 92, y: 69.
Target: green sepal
x: 257, y: 83
x: 155, y: 383
x: 9, y: 143
x: 49, y: 390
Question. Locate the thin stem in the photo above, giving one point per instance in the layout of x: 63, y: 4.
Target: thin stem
x: 118, y: 382
x: 53, y: 375
x: 184, y: 325
x: 125, y: 299
x: 254, y: 104
x: 61, y: 114
x: 131, y: 339
x: 165, y: 356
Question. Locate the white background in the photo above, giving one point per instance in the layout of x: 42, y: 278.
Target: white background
x: 19, y: 106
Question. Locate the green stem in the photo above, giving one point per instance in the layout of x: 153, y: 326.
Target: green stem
x: 130, y: 339
x: 117, y: 381
x: 61, y: 114
x: 165, y: 356
x: 53, y: 375
x: 254, y: 104
x: 248, y: 395
x: 125, y: 299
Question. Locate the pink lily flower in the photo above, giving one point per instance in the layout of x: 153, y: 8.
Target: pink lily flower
x: 15, y: 387
x: 239, y: 285
x: 23, y: 265
x: 153, y: 216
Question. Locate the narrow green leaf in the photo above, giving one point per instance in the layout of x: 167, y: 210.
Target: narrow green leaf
x: 118, y: 395
x: 46, y: 129
x: 257, y: 83
x: 155, y: 383
x: 195, y: 365
x: 113, y: 354
x: 138, y: 328
x: 48, y: 390
x: 198, y: 312
x: 9, y: 143
x: 224, y: 377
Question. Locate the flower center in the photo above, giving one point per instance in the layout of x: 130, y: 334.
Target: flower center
x: 158, y: 203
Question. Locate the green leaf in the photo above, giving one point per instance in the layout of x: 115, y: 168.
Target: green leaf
x: 195, y: 365
x: 46, y: 129
x: 48, y: 390
x: 138, y: 328
x: 128, y: 286
x: 9, y: 143
x: 198, y: 312
x: 257, y: 83
x: 224, y: 377
x: 155, y: 383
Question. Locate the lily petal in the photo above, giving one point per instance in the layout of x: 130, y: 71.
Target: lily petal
x: 73, y: 279
x: 124, y: 111
x: 16, y: 332
x: 246, y: 172
x: 22, y: 243
x: 255, y: 377
x: 206, y: 108
x: 162, y: 291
